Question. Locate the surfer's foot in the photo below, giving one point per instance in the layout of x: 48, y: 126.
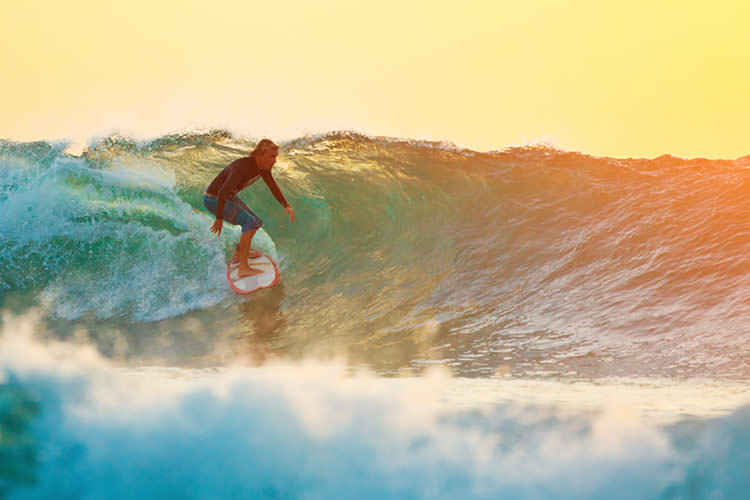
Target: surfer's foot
x: 244, y: 272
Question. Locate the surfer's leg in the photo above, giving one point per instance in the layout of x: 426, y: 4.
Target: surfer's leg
x: 250, y: 224
x: 240, y: 215
x: 244, y: 247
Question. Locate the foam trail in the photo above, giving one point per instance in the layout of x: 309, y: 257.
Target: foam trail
x: 312, y: 431
x: 90, y: 237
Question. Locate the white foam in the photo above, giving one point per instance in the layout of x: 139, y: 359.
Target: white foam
x: 312, y: 430
x: 84, y: 208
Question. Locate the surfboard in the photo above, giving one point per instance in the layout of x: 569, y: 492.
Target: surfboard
x: 268, y: 278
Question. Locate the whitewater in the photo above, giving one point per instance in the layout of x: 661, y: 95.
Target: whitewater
x: 522, y: 323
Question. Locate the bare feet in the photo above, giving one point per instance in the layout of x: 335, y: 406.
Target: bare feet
x: 244, y: 272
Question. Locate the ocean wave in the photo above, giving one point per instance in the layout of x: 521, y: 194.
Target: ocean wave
x: 531, y: 259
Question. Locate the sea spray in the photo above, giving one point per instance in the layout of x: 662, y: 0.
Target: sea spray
x: 315, y: 430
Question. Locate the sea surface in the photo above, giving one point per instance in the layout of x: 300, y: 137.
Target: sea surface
x: 521, y: 323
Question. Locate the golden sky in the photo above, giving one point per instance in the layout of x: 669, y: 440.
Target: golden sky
x: 606, y: 77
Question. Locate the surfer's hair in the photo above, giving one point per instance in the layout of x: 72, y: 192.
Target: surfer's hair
x: 263, y: 146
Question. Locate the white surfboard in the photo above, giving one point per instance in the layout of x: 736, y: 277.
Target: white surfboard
x: 267, y: 278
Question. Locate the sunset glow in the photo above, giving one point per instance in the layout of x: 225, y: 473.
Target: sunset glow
x: 606, y: 78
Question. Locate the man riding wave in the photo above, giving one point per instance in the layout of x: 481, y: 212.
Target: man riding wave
x: 220, y: 198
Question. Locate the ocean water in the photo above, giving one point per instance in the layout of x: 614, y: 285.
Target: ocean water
x: 524, y: 323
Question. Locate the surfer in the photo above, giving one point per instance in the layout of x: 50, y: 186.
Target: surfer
x: 221, y: 199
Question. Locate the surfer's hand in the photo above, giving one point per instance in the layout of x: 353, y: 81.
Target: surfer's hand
x: 216, y: 228
x: 290, y: 212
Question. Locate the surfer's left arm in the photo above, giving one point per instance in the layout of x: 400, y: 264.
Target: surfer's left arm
x: 271, y: 183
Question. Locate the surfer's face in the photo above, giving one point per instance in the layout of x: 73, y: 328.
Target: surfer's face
x: 267, y: 159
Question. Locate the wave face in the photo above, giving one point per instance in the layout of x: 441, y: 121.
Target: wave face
x: 529, y: 261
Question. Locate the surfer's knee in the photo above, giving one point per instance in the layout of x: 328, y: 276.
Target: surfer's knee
x: 252, y: 224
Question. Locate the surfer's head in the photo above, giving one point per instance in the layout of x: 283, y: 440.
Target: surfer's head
x: 265, y: 154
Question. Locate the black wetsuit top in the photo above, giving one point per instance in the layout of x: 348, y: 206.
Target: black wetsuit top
x: 237, y: 176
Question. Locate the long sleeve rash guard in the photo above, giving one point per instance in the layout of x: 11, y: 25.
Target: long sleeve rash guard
x: 237, y: 176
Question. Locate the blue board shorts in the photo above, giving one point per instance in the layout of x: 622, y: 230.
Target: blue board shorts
x: 235, y: 212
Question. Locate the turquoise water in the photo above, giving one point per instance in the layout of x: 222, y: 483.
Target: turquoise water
x: 529, y: 278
